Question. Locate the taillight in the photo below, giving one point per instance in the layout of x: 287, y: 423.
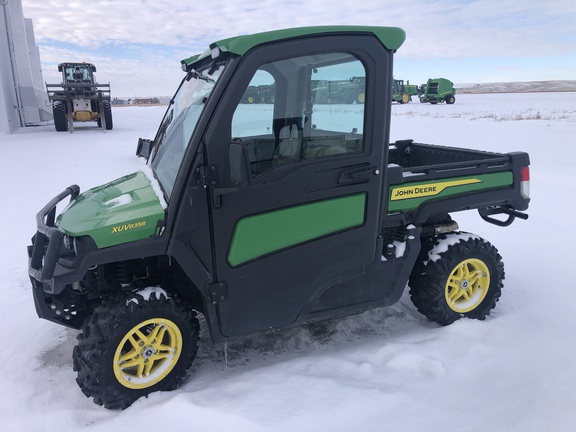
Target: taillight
x: 525, y: 182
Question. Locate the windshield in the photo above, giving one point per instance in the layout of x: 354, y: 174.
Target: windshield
x: 179, y: 122
x: 78, y: 73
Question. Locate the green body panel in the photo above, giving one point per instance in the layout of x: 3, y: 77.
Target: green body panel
x: 258, y: 235
x: 391, y: 37
x: 121, y: 211
x: 408, y: 196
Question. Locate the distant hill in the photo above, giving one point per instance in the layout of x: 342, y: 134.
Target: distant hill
x: 518, y: 87
x: 508, y: 87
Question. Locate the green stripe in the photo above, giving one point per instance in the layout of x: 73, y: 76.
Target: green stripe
x: 486, y: 181
x: 259, y: 235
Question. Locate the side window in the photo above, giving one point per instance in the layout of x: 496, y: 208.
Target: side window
x: 302, y: 109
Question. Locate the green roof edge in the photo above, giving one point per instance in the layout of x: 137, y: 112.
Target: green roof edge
x: 391, y: 37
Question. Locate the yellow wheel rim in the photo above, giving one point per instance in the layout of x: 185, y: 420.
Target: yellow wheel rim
x: 467, y: 285
x: 361, y: 97
x: 405, y: 98
x: 147, y: 353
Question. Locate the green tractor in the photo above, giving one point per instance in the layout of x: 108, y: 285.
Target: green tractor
x: 79, y: 98
x: 402, y: 93
x: 341, y: 91
x: 438, y: 90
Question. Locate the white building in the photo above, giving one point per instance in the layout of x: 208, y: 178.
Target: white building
x: 23, y: 99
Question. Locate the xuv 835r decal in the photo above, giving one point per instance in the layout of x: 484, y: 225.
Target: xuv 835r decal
x: 258, y: 235
x: 410, y: 195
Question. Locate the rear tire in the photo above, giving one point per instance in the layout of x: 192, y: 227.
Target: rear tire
x: 59, y: 115
x: 457, y: 275
x: 132, y: 346
x: 450, y: 99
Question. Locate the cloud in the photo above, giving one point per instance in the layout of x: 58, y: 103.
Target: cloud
x: 445, y: 28
x: 157, y: 32
x: 150, y: 75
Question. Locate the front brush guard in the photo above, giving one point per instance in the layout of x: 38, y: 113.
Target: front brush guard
x: 46, y: 244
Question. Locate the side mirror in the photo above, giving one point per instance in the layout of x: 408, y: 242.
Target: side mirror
x: 239, y: 166
x: 144, y: 147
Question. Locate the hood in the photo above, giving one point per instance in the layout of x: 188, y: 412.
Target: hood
x: 124, y: 210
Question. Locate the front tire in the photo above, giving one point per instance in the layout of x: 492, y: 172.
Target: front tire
x: 458, y: 275
x: 107, y: 113
x: 133, y: 345
x: 59, y: 115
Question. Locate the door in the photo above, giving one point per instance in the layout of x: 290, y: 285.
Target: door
x: 289, y: 242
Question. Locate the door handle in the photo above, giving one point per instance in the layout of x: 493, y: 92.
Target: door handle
x: 365, y: 174
x: 355, y: 174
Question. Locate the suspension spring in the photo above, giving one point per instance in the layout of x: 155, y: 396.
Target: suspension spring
x: 124, y: 273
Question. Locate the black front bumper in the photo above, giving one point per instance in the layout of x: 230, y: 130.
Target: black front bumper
x: 43, y: 255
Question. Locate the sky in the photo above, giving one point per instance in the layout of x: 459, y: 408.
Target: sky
x: 137, y: 45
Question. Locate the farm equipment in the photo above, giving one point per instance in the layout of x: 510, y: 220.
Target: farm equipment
x: 267, y: 217
x: 324, y: 92
x: 261, y: 94
x: 346, y: 91
x: 402, y: 93
x: 438, y: 90
x: 79, y: 98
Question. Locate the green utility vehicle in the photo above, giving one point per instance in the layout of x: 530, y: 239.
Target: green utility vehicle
x: 438, y: 90
x: 79, y: 98
x: 267, y: 216
x: 402, y: 93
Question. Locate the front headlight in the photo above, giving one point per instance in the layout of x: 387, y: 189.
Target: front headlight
x: 70, y: 243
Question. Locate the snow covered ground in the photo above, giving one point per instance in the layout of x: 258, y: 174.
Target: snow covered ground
x: 385, y: 370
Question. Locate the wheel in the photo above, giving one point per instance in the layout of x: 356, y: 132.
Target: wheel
x: 405, y: 98
x: 133, y: 345
x: 59, y: 114
x: 450, y: 99
x: 107, y: 113
x: 361, y: 98
x: 458, y: 275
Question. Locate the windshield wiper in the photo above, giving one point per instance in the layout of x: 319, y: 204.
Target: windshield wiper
x: 198, y: 75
